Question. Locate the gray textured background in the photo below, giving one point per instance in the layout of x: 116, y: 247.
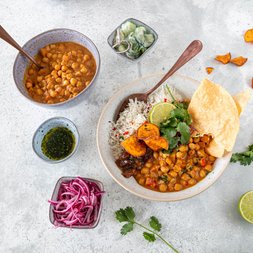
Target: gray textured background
x: 209, y: 222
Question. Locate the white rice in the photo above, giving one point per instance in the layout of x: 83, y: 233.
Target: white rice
x: 135, y: 115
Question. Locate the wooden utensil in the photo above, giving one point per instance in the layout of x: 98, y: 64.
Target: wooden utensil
x: 192, y: 50
x: 6, y: 37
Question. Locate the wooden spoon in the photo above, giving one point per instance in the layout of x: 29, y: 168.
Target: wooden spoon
x: 5, y: 36
x: 192, y: 50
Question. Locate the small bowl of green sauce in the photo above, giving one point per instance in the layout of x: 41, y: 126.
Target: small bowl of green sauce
x: 56, y: 140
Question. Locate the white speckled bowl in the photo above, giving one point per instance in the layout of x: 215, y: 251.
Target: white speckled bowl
x: 45, y: 127
x: 43, y: 39
x: 186, y: 87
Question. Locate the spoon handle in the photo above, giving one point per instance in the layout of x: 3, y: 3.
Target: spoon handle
x: 5, y: 36
x: 193, y: 49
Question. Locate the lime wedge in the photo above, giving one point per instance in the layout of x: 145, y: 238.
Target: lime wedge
x: 245, y: 206
x: 160, y: 112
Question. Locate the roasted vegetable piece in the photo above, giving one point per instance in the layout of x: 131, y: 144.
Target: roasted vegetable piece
x: 133, y: 146
x: 239, y: 61
x: 209, y: 70
x: 225, y: 59
x: 147, y: 130
x: 248, y: 36
x: 156, y: 143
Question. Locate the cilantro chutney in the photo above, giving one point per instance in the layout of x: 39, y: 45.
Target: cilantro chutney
x: 58, y: 143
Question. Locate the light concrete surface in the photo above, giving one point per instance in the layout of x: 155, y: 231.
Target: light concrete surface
x: 208, y: 222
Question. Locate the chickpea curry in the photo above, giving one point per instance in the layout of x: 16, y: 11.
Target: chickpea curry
x: 169, y: 157
x: 67, y: 69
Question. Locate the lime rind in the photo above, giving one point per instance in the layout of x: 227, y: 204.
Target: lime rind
x: 245, y: 206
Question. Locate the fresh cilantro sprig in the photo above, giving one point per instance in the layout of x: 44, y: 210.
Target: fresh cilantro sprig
x: 244, y: 158
x: 127, y: 215
x: 176, y: 128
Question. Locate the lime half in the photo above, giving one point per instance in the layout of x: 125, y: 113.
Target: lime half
x: 245, y: 206
x: 160, y: 112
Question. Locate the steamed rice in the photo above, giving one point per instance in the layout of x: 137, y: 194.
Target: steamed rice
x: 135, y: 115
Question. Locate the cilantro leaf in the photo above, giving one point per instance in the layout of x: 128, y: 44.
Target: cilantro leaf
x: 128, y: 227
x: 244, y: 158
x: 130, y: 213
x: 184, y: 130
x: 149, y: 237
x: 121, y: 215
x: 169, y: 132
x: 154, y: 223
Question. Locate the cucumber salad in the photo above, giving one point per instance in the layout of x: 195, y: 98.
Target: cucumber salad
x: 133, y: 40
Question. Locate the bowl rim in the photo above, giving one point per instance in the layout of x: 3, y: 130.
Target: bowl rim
x: 71, y: 99
x: 111, y: 101
x: 61, y: 179
x: 144, y: 24
x: 76, y: 144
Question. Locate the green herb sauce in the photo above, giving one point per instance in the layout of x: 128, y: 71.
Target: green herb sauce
x: 58, y: 143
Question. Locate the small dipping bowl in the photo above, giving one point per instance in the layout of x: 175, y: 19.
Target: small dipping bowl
x: 43, y: 130
x: 55, y: 196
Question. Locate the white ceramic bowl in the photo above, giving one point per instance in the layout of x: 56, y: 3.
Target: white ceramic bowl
x: 186, y: 87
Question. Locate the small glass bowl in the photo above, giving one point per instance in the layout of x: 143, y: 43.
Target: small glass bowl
x: 139, y: 23
x: 43, y: 130
x: 55, y: 195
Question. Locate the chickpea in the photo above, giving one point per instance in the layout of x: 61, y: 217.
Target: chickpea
x: 202, y: 173
x: 58, y: 89
x: 179, y: 154
x: 205, y: 138
x: 86, y: 57
x: 192, y: 146
x: 58, y: 80
x: 67, y: 93
x: 192, y: 173
x: 173, y: 181
x: 173, y: 173
x: 79, y: 84
x: 192, y: 181
x: 57, y: 67
x: 201, y: 153
x: 211, y: 158
x: 197, y: 147
x: 31, y: 71
x: 29, y: 85
x: 164, y: 169
x: 54, y: 56
x: 73, y: 81
x: 75, y: 65
x: 183, y: 182
x: 69, y: 76
x: 45, y: 59
x: 141, y: 181
x: 87, y: 83
x: 178, y: 187
x: 196, y: 139
x: 177, y: 168
x: 183, y: 148
x: 64, y: 68
x: 74, y: 53
x: 52, y: 46
x: 49, y: 55
x: 39, y: 91
x: 162, y: 187
x: 65, y: 82
x: 78, y: 73
x: 144, y: 170
x: 50, y: 101
x: 185, y: 177
x: 148, y: 164
x: 65, y: 57
x: 59, y: 56
x: 52, y: 93
x: 208, y: 167
x: 84, y: 70
x: 59, y: 73
x: 39, y: 78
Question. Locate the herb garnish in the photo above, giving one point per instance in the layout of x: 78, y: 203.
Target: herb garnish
x: 128, y: 215
x: 245, y: 158
x: 164, y: 178
x: 176, y: 128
